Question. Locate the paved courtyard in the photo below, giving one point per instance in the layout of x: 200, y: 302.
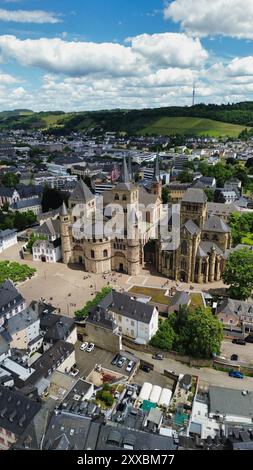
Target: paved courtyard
x: 70, y: 288
x: 245, y: 353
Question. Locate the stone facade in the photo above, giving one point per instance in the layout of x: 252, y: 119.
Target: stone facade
x: 203, y: 241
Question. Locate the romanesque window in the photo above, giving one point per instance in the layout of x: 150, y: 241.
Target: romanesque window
x: 116, y: 197
x: 205, y: 236
x: 183, y: 264
x: 124, y: 198
x: 92, y: 254
x: 184, y: 247
x: 215, y: 238
x: 105, y: 253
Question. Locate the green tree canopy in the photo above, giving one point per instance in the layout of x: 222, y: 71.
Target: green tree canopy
x: 239, y: 274
x: 202, y: 334
x: 10, y: 180
x: 164, y: 338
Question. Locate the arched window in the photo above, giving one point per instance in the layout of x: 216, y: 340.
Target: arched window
x: 215, y: 238
x: 105, y: 254
x: 124, y: 198
x: 92, y: 254
x: 184, y: 247
x: 183, y: 264
x: 116, y: 197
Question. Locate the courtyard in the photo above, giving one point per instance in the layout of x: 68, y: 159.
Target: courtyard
x: 69, y: 288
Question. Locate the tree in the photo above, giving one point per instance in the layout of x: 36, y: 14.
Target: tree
x: 10, y: 180
x: 239, y: 274
x: 33, y: 238
x: 202, y: 334
x: 165, y: 194
x: 164, y: 337
x: 210, y: 194
x: 84, y: 312
x: 52, y: 199
x: 185, y: 177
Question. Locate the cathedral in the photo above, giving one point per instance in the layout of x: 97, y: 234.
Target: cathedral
x: 201, y: 253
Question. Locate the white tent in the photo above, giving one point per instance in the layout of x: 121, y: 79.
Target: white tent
x: 165, y: 397
x: 145, y: 391
x: 155, y: 394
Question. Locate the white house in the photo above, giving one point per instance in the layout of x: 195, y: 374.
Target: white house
x: 11, y: 301
x: 135, y: 319
x: 8, y: 238
x: 48, y: 250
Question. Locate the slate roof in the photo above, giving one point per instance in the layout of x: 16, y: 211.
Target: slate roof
x: 56, y: 327
x: 6, y: 233
x: 50, y: 228
x: 23, y: 203
x: 81, y: 193
x: 6, y: 192
x: 195, y: 195
x: 238, y: 307
x: 67, y: 432
x: 192, y: 227
x: 16, y: 410
x: 180, y: 298
x: 22, y: 320
x: 216, y: 224
x: 9, y: 294
x: 228, y: 401
x: 205, y: 249
x: 123, y: 305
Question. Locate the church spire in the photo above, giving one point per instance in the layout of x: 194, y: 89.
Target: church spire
x: 130, y: 171
x: 157, y: 169
x: 125, y: 173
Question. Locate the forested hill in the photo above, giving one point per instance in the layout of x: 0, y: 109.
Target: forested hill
x: 136, y: 121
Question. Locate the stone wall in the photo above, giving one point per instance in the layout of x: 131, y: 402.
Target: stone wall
x: 102, y: 338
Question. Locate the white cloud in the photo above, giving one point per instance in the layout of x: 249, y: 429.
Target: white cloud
x: 6, y: 79
x: 28, y: 16
x: 73, y: 58
x: 213, y: 17
x: 170, y: 49
x: 241, y: 66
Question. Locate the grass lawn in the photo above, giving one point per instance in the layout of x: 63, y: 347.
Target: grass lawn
x: 192, y: 126
x: 196, y: 300
x: 157, y: 295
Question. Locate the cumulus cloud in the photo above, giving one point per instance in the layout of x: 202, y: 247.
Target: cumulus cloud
x: 170, y: 49
x: 241, y: 66
x: 73, y: 58
x: 28, y: 16
x: 208, y: 18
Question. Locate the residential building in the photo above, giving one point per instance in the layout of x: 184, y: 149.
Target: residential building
x: 11, y: 301
x: 135, y: 319
x: 24, y: 329
x: 8, y: 238
x: 233, y: 313
x: 16, y: 413
x: 25, y: 205
x: 48, y: 249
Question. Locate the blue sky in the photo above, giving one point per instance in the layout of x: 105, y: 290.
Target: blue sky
x: 82, y: 54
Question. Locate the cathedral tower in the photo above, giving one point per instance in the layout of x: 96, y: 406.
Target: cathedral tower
x: 65, y: 234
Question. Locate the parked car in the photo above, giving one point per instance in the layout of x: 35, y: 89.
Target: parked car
x: 90, y: 348
x: 74, y: 372
x: 84, y: 346
x: 145, y: 368
x: 239, y: 341
x: 122, y: 361
x: 236, y: 374
x: 130, y: 366
x: 115, y: 359
x: 249, y: 339
x: 234, y: 357
x: 158, y: 356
